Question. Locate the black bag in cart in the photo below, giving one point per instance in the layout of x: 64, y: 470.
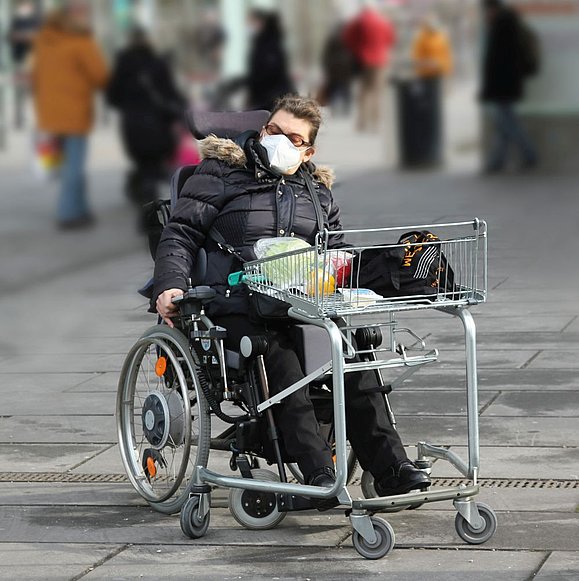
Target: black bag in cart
x: 416, y: 267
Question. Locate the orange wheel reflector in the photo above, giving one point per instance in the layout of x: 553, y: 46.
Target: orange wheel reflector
x: 161, y: 366
x: 151, y: 468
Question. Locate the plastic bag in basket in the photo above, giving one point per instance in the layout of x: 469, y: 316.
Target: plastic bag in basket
x: 288, y: 271
x: 339, y: 264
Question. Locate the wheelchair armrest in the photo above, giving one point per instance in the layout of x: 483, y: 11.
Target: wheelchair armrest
x: 191, y: 301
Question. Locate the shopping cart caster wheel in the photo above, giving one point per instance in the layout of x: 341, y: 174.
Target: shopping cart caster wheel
x: 255, y: 509
x: 368, y: 490
x: 384, y: 543
x: 193, y: 525
x: 477, y: 537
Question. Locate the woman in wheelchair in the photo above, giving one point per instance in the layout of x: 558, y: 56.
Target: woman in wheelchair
x: 257, y: 187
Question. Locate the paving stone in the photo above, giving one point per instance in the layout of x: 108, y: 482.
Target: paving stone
x: 548, y: 500
x: 555, y: 360
x: 519, y: 462
x: 141, y: 525
x: 531, y: 340
x: 88, y: 346
x: 549, y: 432
x: 46, y: 457
x: 487, y: 321
x: 228, y: 563
x: 573, y: 328
x: 40, y: 383
x: 73, y: 364
x: 563, y: 404
x: 420, y: 403
x: 49, y: 560
x: 560, y: 566
x: 107, y: 463
x: 493, y: 359
x: 501, y: 380
x: 515, y: 530
x: 99, y: 382
x: 64, y: 495
x: 58, y: 403
x: 58, y: 429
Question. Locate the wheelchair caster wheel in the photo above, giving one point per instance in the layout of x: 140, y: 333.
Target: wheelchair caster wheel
x: 477, y: 537
x: 384, y: 543
x: 253, y: 509
x: 193, y: 524
x: 368, y: 490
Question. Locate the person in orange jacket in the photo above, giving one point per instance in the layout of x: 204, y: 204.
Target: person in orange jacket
x: 431, y: 51
x: 68, y: 68
x: 432, y: 61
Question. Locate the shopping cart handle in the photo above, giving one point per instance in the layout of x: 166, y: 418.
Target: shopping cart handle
x: 235, y: 278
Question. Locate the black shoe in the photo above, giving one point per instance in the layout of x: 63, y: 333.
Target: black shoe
x: 401, y: 479
x: 325, y: 477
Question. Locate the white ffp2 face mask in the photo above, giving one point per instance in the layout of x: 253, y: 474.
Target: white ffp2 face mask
x: 282, y: 154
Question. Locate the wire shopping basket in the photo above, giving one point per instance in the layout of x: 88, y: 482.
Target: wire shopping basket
x: 324, y: 281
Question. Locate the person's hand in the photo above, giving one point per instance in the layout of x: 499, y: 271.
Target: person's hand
x: 165, y: 307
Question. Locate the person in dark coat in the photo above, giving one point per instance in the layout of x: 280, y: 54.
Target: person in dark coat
x: 260, y: 191
x: 338, y: 65
x: 268, y: 73
x: 142, y: 88
x: 503, y: 82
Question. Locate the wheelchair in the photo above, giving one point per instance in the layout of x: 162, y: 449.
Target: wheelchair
x: 159, y: 426
x: 176, y: 382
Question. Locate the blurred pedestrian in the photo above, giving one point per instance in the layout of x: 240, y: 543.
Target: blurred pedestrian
x: 209, y: 40
x: 432, y: 61
x: 68, y: 67
x: 370, y: 37
x: 505, y: 67
x: 431, y: 50
x: 338, y: 68
x: 268, y: 71
x: 23, y: 29
x: 144, y: 91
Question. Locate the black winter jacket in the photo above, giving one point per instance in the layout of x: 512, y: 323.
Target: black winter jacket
x: 503, y: 78
x: 235, y: 192
x: 143, y: 89
x: 268, y: 75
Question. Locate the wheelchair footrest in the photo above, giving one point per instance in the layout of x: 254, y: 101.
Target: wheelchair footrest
x: 293, y: 503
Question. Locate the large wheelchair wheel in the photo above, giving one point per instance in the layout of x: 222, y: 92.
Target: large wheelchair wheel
x: 163, y: 422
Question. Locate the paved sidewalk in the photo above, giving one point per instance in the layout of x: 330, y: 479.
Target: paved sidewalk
x: 66, y: 511
x: 70, y: 312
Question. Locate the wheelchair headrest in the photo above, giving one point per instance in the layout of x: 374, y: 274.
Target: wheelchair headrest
x: 224, y: 124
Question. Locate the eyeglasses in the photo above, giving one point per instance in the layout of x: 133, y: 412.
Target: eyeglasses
x: 295, y: 138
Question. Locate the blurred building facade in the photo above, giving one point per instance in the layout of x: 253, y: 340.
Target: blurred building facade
x: 551, y: 107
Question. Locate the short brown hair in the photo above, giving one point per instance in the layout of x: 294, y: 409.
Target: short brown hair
x: 303, y: 108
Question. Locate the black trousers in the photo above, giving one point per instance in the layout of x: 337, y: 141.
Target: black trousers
x: 376, y: 443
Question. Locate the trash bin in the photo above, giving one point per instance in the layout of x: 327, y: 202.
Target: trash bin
x: 419, y: 122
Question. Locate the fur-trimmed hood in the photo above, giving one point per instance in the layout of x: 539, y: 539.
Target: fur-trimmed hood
x: 228, y: 151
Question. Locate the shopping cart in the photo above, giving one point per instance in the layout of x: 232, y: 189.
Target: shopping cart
x: 306, y: 280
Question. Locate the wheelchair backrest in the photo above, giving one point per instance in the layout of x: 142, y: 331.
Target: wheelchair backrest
x: 224, y: 124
